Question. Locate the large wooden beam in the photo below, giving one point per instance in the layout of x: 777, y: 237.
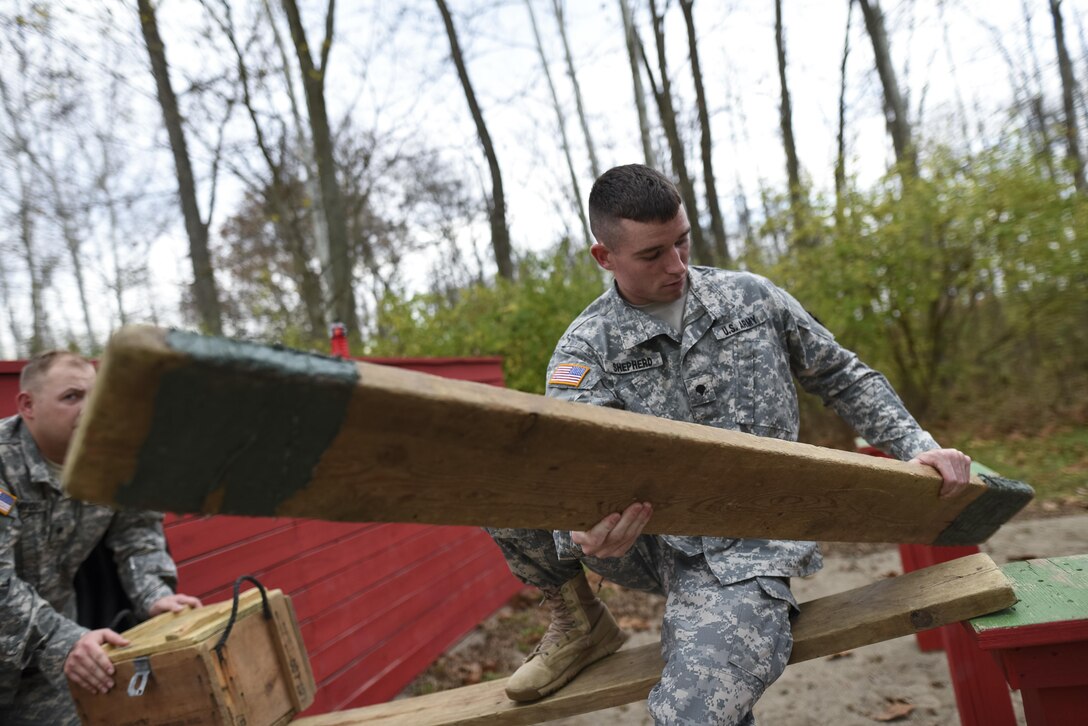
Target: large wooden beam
x: 183, y: 423
x: 927, y: 598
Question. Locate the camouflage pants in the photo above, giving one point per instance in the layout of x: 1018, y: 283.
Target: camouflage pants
x: 722, y: 644
x: 38, y: 702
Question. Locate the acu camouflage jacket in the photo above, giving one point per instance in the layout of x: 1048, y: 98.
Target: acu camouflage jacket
x: 44, y: 538
x: 744, y: 340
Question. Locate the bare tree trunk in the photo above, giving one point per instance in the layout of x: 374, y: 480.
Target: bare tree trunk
x: 39, y: 334
x: 119, y: 279
x: 204, y: 287
x: 557, y: 6
x: 14, y: 327
x: 561, y: 120
x: 840, y: 156
x: 37, y: 308
x: 895, y: 112
x: 634, y: 51
x: 961, y: 106
x: 341, y: 295
x: 73, y: 242
x: 1069, y: 84
x: 500, y: 233
x: 21, y: 156
x: 305, y: 151
x: 46, y: 166
x: 1026, y: 95
x: 717, y: 221
x: 700, y: 251
x: 277, y: 195
x: 747, y: 227
x: 798, y: 203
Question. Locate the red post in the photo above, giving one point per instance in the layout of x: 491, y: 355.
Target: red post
x: 338, y: 340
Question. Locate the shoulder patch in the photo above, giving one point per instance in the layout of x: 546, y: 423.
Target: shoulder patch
x: 568, y: 374
x: 7, y: 502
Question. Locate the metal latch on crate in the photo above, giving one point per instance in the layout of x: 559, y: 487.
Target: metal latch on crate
x: 138, y: 682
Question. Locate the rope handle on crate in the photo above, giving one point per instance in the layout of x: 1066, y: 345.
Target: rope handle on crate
x: 234, y: 612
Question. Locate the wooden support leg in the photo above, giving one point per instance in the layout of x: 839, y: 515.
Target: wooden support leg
x: 982, y: 696
x: 1053, y: 681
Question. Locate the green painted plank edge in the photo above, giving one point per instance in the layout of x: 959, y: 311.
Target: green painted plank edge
x: 1050, y: 591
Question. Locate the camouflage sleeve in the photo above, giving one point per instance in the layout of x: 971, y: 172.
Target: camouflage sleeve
x: 860, y: 395
x: 146, y: 570
x: 576, y: 374
x: 32, y: 633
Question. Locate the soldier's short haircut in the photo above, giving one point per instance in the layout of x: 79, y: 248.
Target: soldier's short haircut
x: 635, y: 192
x: 36, y: 368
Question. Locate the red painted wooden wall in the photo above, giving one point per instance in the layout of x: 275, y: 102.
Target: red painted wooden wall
x: 377, y: 603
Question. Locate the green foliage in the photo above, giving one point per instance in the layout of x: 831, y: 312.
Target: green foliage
x: 1054, y: 462
x: 966, y: 286
x: 520, y: 320
x: 963, y: 285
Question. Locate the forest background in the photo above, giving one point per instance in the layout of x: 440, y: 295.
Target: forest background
x: 914, y: 174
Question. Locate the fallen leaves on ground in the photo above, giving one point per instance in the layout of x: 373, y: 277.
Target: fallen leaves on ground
x: 634, y: 623
x: 896, y: 709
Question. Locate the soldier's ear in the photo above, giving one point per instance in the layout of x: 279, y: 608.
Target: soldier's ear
x: 24, y: 404
x: 602, y: 254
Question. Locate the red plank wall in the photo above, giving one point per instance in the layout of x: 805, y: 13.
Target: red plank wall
x: 377, y: 603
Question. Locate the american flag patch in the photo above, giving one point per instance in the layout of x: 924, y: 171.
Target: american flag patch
x: 568, y: 374
x: 7, y: 501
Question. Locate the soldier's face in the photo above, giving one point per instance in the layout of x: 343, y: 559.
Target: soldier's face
x: 52, y: 409
x: 648, y: 259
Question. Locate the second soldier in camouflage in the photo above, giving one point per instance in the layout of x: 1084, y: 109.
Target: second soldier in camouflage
x: 705, y: 346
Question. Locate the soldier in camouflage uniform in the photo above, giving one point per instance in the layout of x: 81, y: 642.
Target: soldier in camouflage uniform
x: 45, y: 536
x: 706, y: 346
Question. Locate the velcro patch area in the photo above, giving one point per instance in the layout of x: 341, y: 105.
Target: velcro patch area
x: 568, y: 374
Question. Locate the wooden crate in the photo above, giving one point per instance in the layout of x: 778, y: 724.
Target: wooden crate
x: 261, y: 675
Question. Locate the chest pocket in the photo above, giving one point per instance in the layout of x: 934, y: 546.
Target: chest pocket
x: 638, y: 378
x: 77, y: 528
x: 33, y: 527
x: 764, y: 398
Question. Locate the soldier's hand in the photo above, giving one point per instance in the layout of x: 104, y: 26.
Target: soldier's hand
x: 173, y: 604
x: 88, y: 665
x: 616, y: 533
x: 953, y: 466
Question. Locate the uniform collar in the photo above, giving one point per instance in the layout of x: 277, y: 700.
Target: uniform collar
x: 32, y: 455
x: 706, y: 295
x: 635, y: 327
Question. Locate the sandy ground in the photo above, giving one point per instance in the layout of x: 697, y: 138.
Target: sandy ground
x: 861, y: 687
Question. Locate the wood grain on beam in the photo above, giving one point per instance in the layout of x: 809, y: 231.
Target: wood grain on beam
x: 188, y: 424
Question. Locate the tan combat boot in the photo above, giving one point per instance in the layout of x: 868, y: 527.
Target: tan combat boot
x: 582, y: 631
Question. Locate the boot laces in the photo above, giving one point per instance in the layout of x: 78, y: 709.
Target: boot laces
x: 563, y: 621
